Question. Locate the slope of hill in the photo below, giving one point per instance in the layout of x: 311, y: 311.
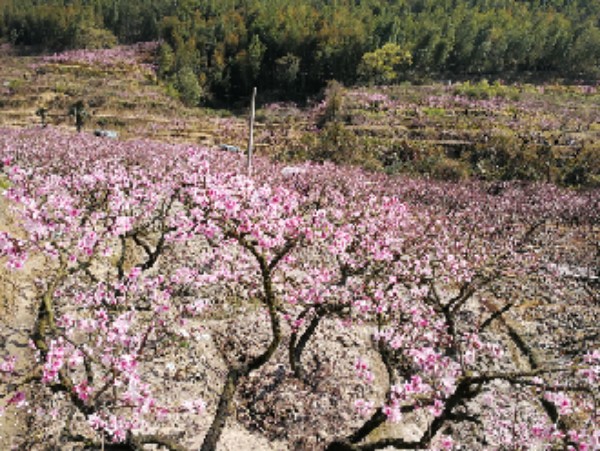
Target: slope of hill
x: 118, y: 87
x: 491, y: 131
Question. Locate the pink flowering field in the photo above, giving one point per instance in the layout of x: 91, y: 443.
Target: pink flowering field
x: 319, y: 306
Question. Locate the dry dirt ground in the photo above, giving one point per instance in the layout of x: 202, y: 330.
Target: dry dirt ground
x: 15, y: 322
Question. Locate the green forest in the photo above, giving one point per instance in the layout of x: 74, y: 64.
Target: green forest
x: 221, y: 48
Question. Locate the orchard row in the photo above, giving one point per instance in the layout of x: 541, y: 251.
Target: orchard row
x: 140, y: 248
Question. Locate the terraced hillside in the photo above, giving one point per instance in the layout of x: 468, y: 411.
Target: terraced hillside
x: 482, y: 130
x: 118, y: 86
x: 460, y: 130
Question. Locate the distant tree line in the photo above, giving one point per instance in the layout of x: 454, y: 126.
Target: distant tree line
x: 222, y: 48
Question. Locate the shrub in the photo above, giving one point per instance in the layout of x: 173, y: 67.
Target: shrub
x: 449, y: 169
x: 188, y: 87
x: 94, y: 38
x: 384, y: 65
x: 583, y: 169
x: 287, y: 69
x: 333, y: 102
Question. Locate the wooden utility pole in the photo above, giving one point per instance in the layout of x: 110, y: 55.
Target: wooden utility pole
x: 251, y: 135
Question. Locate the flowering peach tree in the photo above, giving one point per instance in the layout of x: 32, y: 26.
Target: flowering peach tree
x: 138, y: 248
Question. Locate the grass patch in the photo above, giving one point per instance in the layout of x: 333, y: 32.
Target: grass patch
x: 434, y: 112
x: 4, y: 183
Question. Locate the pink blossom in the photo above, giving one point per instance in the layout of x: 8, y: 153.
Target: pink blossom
x: 364, y: 407
x: 127, y: 362
x: 7, y: 365
x: 363, y: 371
x: 18, y: 399
x: 83, y: 390
x: 134, y: 273
x: 447, y: 442
x: 54, y: 361
x: 438, y: 408
x: 96, y: 422
x: 197, y: 406
x: 393, y: 413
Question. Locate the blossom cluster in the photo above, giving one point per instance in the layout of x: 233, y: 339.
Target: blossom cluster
x: 141, y: 240
x: 118, y: 56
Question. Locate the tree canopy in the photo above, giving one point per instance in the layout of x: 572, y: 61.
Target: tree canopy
x: 296, y: 46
